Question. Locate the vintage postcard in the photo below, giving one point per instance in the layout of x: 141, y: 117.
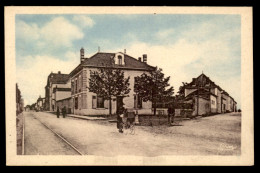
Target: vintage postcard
x: 129, y: 86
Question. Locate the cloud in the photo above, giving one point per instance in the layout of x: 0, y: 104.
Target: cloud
x: 32, y: 74
x: 56, y: 33
x: 26, y: 31
x: 84, y: 21
x: 185, y: 60
x: 61, y: 32
x: 165, y: 33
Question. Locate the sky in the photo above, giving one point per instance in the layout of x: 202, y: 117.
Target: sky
x: 184, y: 46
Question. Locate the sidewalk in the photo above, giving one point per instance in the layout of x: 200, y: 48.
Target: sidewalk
x: 86, y: 117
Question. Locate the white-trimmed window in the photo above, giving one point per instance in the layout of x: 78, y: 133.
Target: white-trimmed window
x: 98, y: 102
x: 138, y: 102
x: 120, y: 60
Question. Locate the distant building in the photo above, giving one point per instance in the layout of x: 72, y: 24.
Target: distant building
x: 27, y: 108
x: 58, y: 87
x: 207, y: 97
x: 40, y: 103
x: 84, y: 102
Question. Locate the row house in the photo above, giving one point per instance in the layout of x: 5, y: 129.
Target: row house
x: 58, y: 87
x: 207, y: 97
x: 84, y: 102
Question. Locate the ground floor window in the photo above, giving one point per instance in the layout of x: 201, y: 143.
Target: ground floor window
x: 76, y: 102
x: 138, y: 102
x: 98, y: 102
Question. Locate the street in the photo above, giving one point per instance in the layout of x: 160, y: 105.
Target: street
x: 215, y: 135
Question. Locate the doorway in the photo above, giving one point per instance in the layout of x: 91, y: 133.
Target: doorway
x: 119, y: 103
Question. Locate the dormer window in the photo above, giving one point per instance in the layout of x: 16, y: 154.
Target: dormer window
x: 120, y: 60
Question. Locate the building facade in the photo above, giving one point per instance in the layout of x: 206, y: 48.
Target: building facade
x: 207, y: 97
x: 40, y: 103
x: 88, y: 103
x: 57, y: 88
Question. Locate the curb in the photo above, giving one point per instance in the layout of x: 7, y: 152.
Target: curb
x: 85, y: 118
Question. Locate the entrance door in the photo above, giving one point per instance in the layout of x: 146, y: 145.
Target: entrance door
x: 119, y: 103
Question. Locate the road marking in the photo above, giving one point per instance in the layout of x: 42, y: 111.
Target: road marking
x: 61, y: 137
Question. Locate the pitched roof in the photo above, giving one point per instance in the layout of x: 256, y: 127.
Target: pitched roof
x: 58, y: 78
x: 202, y: 80
x: 202, y: 92
x: 102, y: 59
x: 206, y: 82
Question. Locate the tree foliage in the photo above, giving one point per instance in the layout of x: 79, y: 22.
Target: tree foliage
x: 154, y: 87
x: 108, y: 82
x: 181, y: 92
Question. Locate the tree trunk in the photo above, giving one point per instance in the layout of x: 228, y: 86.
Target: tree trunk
x: 154, y: 110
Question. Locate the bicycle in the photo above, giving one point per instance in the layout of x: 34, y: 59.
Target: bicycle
x: 128, y: 125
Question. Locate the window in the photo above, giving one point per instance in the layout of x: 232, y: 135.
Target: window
x: 72, y: 87
x: 213, y: 102
x: 138, y: 101
x: 76, y: 103
x: 120, y: 60
x: 76, y: 86
x: 94, y: 102
x: 100, y: 102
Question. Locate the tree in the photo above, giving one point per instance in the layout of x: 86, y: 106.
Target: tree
x: 154, y: 87
x: 18, y: 100
x: 181, y: 92
x: 108, y: 82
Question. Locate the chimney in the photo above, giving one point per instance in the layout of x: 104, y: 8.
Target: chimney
x: 144, y: 58
x: 139, y: 59
x: 81, y: 55
x: 58, y: 72
x: 124, y: 51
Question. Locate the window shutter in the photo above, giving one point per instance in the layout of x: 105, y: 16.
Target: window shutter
x: 106, y: 104
x: 94, y: 102
x: 135, y: 102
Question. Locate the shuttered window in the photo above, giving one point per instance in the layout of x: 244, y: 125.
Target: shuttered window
x: 106, y: 104
x: 94, y: 102
x: 138, y: 103
x: 100, y: 102
x: 76, y: 86
x: 76, y: 103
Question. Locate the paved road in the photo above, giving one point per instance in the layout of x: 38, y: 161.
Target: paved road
x: 216, y: 135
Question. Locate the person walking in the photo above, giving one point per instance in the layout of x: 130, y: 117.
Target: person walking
x: 170, y: 114
x: 64, y: 111
x: 58, y: 112
x: 120, y: 120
